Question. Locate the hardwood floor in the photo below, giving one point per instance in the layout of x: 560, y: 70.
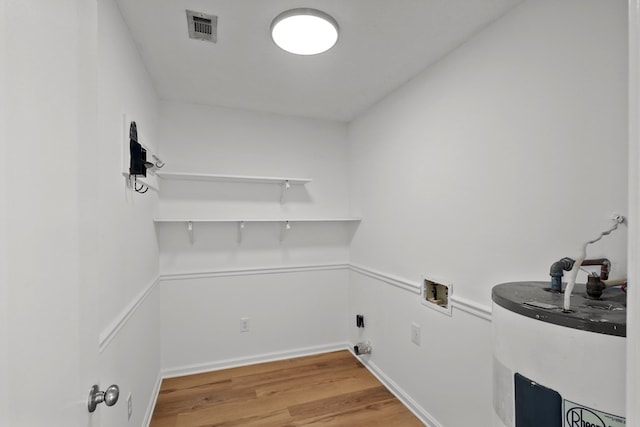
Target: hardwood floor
x: 331, y: 389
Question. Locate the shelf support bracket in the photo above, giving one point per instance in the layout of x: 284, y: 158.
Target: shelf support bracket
x: 285, y: 186
x: 190, y: 231
x: 240, y: 229
x: 286, y: 226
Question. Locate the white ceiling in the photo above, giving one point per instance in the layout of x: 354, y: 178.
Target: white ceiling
x: 382, y: 44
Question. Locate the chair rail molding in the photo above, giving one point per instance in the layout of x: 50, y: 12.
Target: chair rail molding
x: 116, y: 325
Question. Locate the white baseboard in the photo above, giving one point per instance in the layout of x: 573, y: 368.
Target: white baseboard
x: 152, y: 402
x: 398, y: 392
x: 251, y: 360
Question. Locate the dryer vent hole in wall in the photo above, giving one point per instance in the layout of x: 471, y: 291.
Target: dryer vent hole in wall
x: 435, y: 294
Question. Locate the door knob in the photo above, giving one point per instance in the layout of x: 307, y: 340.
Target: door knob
x: 109, y: 397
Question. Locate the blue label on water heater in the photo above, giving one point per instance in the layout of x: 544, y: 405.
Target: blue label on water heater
x: 576, y: 415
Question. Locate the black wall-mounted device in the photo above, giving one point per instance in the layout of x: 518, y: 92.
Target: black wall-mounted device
x: 138, y: 163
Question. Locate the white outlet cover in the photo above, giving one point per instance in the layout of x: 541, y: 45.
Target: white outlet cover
x: 415, y: 333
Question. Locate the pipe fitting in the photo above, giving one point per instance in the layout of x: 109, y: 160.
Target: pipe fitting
x: 362, y: 348
x: 557, y: 271
x: 604, y: 263
x: 595, y: 286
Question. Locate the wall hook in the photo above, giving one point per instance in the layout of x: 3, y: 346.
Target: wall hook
x: 285, y: 186
x: 158, y: 163
x: 286, y: 226
x: 190, y: 230
x: 240, y: 229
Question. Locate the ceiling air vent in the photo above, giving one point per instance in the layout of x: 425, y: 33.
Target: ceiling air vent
x: 202, y: 26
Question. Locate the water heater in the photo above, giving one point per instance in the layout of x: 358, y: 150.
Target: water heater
x: 553, y: 368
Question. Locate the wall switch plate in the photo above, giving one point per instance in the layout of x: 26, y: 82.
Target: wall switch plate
x: 129, y: 407
x: 244, y: 324
x: 415, y: 333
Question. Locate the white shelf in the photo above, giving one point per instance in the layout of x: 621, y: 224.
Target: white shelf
x: 285, y: 183
x: 188, y: 176
x: 285, y: 224
x: 202, y: 220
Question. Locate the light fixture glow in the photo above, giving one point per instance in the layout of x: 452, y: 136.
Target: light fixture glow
x: 304, y: 31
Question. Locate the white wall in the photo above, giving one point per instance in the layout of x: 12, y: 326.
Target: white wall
x: 235, y: 142
x: 125, y: 88
x: 201, y: 314
x: 451, y: 369
x: 488, y: 167
x: 132, y: 360
x: 125, y: 253
x: 462, y: 174
x: 291, y: 313
x: 4, y: 283
x: 79, y: 250
x: 215, y: 140
x: 43, y: 87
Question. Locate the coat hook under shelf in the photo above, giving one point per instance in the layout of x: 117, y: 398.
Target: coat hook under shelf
x: 190, y: 230
x: 240, y: 230
x: 285, y: 186
x: 159, y: 164
x: 286, y: 226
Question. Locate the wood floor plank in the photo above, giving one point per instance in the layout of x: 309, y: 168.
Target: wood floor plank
x: 332, y: 389
x: 297, y: 371
x: 164, y: 420
x: 197, y: 398
x: 226, y: 413
x: 388, y: 413
x: 341, y: 403
x: 323, y: 383
x: 274, y: 419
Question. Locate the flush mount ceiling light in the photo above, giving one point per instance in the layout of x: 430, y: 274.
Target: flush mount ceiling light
x: 304, y: 31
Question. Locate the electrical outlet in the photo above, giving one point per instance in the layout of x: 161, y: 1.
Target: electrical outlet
x: 415, y: 333
x: 129, y: 407
x: 244, y: 324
